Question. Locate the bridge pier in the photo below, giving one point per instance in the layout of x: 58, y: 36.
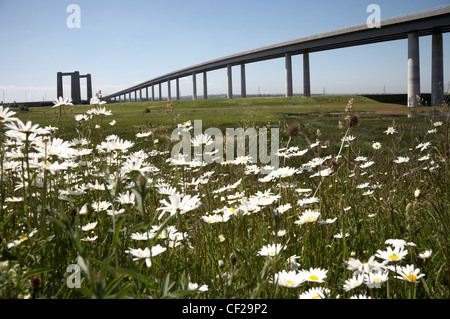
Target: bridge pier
x: 413, y: 70
x: 230, y: 82
x: 169, y: 95
x: 288, y: 68
x: 306, y: 78
x: 146, y: 93
x: 194, y: 86
x: 243, y: 84
x: 437, y: 70
x: 153, y: 93
x: 177, y: 84
x: 205, y: 86
x: 160, y: 91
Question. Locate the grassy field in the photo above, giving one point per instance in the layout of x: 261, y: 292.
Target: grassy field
x: 357, y: 209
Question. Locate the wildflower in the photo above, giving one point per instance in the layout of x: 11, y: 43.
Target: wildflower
x: 126, y: 198
x: 16, y: 243
x: 432, y: 131
x: 340, y: 235
x: 309, y: 216
x: 6, y: 115
x: 89, y: 238
x: 417, y: 193
x: 307, y: 201
x: 426, y: 254
x: 315, y: 274
x: 112, y: 123
x: 201, y: 140
x: 88, y: 227
x: 100, y: 206
x: 367, y: 164
x: 401, y: 159
x: 270, y: 250
x: 423, y: 146
x: 359, y: 267
x: 96, y: 100
x: 390, y: 254
x: 375, y: 279
x: 376, y: 145
x: 284, y: 172
x: 282, y: 208
x: 194, y: 286
x: 61, y: 102
x: 360, y: 296
x: 288, y: 279
x: 390, y: 130
x: 179, y: 203
x: 146, y: 253
x: 143, y: 134
x: 216, y: 218
x: 292, y: 263
x: 185, y: 126
x: 28, y: 128
x: 315, y: 293
x: 355, y: 281
x: 398, y: 243
x: 348, y: 138
x: 360, y: 159
x: 438, y: 123
x: 408, y: 273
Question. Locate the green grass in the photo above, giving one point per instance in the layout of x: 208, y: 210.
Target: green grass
x: 229, y: 264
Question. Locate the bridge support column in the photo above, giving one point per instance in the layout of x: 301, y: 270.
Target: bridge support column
x: 89, y: 86
x: 177, y: 83
x: 135, y: 96
x: 160, y: 91
x: 169, y: 95
x: 153, y: 93
x: 59, y: 85
x: 437, y: 70
x: 140, y: 94
x: 76, y: 92
x: 205, y: 86
x: 230, y: 82
x: 306, y: 78
x: 146, y: 93
x: 194, y: 86
x: 129, y: 97
x: 288, y: 67
x: 243, y: 84
x: 413, y: 70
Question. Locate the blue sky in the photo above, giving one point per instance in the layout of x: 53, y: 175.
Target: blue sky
x: 122, y: 43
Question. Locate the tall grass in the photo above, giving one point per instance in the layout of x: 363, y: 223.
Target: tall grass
x: 49, y: 193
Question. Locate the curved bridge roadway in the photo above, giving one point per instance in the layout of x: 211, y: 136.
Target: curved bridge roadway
x: 431, y: 22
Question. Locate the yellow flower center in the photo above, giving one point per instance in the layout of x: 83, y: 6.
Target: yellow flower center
x: 233, y: 209
x: 47, y: 165
x: 376, y: 279
x: 316, y: 297
x: 272, y: 253
x: 23, y: 239
x: 411, y: 277
x: 289, y: 282
x: 395, y: 257
x: 309, y: 219
x: 313, y: 277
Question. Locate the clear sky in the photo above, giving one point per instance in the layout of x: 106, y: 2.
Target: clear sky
x: 122, y: 43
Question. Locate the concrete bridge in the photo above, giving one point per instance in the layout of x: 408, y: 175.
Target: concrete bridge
x: 432, y: 22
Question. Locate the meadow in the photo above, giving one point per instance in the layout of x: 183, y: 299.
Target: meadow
x: 93, y: 205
